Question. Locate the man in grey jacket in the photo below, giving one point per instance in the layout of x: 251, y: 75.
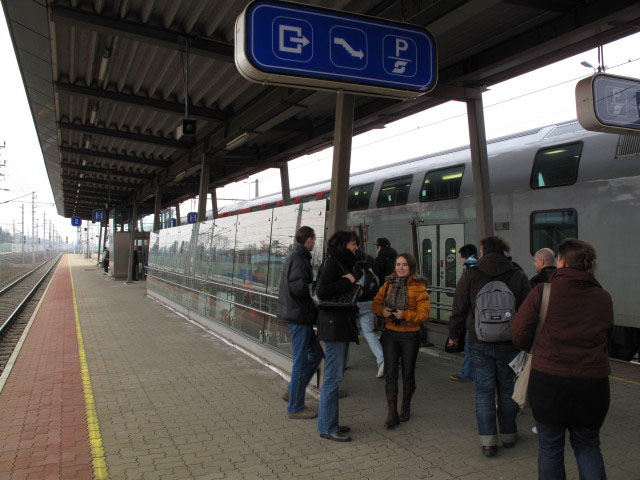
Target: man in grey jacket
x: 296, y: 308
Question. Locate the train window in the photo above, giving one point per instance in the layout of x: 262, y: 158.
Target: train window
x: 256, y: 208
x: 556, y: 166
x: 427, y: 260
x: 394, y: 191
x: 271, y: 205
x: 308, y: 198
x: 549, y: 228
x: 442, y: 184
x: 359, y: 197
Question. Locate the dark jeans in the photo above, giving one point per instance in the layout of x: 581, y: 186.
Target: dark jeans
x: 307, y: 355
x: 494, y: 375
x: 400, y: 347
x: 586, y: 447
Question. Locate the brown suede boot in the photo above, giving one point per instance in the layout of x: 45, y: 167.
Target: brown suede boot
x: 392, y: 418
x: 405, y: 410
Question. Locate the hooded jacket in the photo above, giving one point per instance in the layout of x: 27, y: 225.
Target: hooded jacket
x: 542, y: 276
x: 573, y: 340
x: 419, y: 305
x: 385, y: 263
x: 492, y: 264
x: 336, y: 324
x: 294, y: 301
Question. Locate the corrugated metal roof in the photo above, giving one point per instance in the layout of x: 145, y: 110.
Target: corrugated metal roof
x: 106, y: 87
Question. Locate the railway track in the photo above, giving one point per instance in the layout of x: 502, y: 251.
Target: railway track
x: 18, y: 300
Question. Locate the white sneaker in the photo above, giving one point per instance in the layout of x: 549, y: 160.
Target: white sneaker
x: 534, y: 430
x: 380, y: 371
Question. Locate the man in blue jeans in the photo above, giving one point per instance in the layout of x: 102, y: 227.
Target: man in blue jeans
x: 296, y: 308
x: 468, y: 258
x: 490, y: 359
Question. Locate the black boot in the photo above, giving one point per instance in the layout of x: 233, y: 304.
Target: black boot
x: 392, y: 417
x: 405, y: 411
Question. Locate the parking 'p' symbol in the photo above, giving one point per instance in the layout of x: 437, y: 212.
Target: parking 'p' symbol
x: 401, y: 46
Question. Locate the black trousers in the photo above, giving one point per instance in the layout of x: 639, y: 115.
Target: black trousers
x: 400, y: 348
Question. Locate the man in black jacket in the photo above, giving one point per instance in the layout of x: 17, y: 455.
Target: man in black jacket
x: 297, y: 309
x: 544, y: 262
x: 490, y: 359
x: 385, y: 263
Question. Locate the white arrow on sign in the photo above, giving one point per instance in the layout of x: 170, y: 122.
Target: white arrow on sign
x: 354, y: 53
x: 300, y: 39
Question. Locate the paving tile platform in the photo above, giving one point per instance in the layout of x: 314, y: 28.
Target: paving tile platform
x: 174, y: 402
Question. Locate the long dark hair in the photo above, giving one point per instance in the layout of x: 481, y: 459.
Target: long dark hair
x: 341, y: 238
x: 578, y: 254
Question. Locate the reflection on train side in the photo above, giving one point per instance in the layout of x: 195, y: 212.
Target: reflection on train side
x: 228, y: 270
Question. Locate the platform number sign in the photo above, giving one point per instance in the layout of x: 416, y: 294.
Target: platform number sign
x: 76, y: 221
x: 192, y: 217
x: 99, y: 215
x: 310, y: 47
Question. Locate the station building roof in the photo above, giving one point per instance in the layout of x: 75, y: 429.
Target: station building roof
x: 105, y: 83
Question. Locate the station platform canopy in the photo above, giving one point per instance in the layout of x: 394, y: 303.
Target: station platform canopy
x: 105, y: 80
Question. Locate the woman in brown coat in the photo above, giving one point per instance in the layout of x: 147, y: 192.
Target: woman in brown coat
x: 404, y: 302
x: 569, y: 384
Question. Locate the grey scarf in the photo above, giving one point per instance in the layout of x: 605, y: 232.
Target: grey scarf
x: 398, y: 297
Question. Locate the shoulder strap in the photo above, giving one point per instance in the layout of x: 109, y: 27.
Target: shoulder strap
x: 546, y: 292
x: 386, y: 291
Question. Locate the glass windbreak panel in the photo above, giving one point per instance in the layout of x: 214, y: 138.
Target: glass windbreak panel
x: 550, y: 228
x: 556, y: 166
x: 277, y: 335
x: 427, y: 260
x: 154, y: 249
x: 251, y: 263
x: 442, y: 184
x: 223, y: 243
x: 308, y: 198
x: 203, y: 255
x: 185, y: 234
x: 359, y: 197
x: 394, y: 191
x: 450, y: 263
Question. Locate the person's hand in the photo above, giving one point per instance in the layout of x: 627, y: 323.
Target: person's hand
x: 351, y: 278
x: 386, y: 312
x: 452, y: 342
x: 399, y: 314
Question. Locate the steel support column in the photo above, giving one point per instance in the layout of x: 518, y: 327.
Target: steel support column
x: 343, y: 133
x: 214, y: 203
x: 284, y: 182
x: 204, y: 189
x: 99, y: 243
x: 156, y: 210
x: 178, y: 220
x: 132, y: 231
x: 480, y: 168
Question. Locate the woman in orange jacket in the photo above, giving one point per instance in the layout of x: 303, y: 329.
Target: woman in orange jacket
x: 404, y: 303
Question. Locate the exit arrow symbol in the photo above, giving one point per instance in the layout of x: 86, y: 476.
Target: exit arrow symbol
x: 304, y: 40
x: 354, y: 53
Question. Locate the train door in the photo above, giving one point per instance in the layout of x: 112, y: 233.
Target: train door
x: 438, y: 245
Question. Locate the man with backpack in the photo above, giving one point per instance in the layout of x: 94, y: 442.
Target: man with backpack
x: 492, y: 292
x: 370, y: 284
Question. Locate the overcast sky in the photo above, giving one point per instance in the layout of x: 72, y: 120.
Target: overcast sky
x: 539, y: 98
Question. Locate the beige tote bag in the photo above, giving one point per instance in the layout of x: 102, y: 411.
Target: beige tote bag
x: 522, y: 380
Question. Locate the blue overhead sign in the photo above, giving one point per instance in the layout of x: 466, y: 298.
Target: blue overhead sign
x: 99, y: 215
x: 291, y: 44
x: 192, y: 217
x: 174, y: 222
x: 609, y: 103
x: 76, y: 221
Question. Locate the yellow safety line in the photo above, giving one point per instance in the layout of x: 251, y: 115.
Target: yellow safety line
x: 625, y: 380
x: 98, y: 458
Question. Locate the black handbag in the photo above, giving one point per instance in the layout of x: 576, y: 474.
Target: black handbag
x: 345, y: 300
